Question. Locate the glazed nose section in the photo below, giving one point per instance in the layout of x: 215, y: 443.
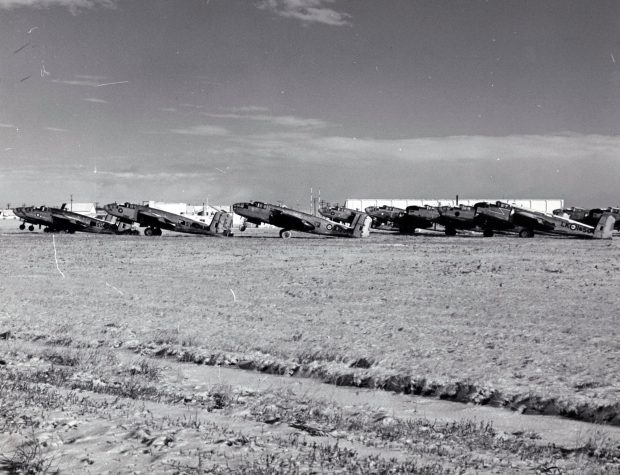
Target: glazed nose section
x: 239, y: 207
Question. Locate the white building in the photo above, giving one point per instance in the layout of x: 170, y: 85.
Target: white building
x: 203, y: 213
x: 545, y: 205
x: 7, y: 214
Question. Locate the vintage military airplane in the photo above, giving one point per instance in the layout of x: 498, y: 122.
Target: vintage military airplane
x: 417, y: 217
x: 385, y: 215
x: 65, y: 219
x: 154, y: 220
x: 589, y: 216
x: 291, y: 220
x: 340, y: 214
x: 457, y: 217
x: 41, y: 216
x: 504, y: 216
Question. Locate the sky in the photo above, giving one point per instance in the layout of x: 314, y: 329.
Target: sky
x: 237, y: 100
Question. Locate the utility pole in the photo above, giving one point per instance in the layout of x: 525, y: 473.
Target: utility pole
x: 71, y: 209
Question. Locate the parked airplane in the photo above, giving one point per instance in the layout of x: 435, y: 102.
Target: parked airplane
x: 291, y: 220
x: 417, y: 217
x: 384, y: 215
x: 504, y: 216
x: 156, y: 219
x: 589, y: 216
x: 340, y: 214
x: 72, y: 222
x: 41, y: 216
x: 457, y: 217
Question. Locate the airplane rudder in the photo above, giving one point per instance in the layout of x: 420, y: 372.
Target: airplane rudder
x: 605, y: 226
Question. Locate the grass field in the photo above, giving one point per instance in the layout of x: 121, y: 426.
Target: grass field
x: 530, y: 324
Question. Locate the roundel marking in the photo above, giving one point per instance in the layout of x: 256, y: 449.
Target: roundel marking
x: 38, y: 215
x: 573, y: 227
x: 120, y: 210
x: 329, y: 226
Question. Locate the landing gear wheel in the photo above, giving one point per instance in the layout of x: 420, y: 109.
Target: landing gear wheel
x: 22, y: 226
x: 148, y: 232
x: 135, y: 232
x: 487, y: 233
x: 526, y: 233
x: 156, y: 232
x: 450, y: 232
x: 31, y: 228
x: 285, y: 234
x: 243, y: 227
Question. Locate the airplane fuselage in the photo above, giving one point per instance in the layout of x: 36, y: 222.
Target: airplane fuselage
x: 338, y: 213
x: 385, y: 215
x: 155, y: 220
x: 525, y: 221
x: 292, y: 220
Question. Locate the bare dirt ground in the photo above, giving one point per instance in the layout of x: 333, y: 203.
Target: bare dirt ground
x: 525, y: 324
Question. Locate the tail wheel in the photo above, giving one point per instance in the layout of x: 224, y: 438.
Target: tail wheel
x: 285, y: 234
x: 526, y: 233
x: 148, y: 232
x: 243, y: 227
x: 487, y: 233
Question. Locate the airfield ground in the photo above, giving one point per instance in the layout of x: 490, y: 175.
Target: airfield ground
x: 97, y: 367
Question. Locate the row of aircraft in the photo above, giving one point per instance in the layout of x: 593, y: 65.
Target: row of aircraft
x: 335, y: 221
x: 489, y: 218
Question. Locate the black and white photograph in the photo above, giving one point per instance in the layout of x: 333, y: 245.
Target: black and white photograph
x: 310, y: 237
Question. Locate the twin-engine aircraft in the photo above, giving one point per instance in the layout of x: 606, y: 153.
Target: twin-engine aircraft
x: 35, y: 216
x: 385, y: 215
x: 289, y: 220
x: 340, y: 214
x: 154, y: 220
x: 61, y: 219
x: 503, y: 216
x: 451, y: 218
x: 589, y: 216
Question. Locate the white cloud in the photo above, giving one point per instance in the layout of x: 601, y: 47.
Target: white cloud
x: 7, y: 126
x: 56, y: 129
x: 308, y: 11
x: 73, y: 5
x: 246, y: 109
x: 312, y: 147
x: 283, y: 121
x: 95, y: 100
x: 76, y: 82
x: 202, y: 130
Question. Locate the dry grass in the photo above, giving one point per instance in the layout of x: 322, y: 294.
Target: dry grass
x: 448, y: 317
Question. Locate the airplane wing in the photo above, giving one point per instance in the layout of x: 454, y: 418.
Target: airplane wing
x: 289, y: 221
x: 152, y: 218
x: 67, y: 222
x: 536, y: 219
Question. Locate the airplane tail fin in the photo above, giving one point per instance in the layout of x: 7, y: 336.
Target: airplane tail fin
x: 361, y: 225
x: 605, y: 226
x: 221, y: 223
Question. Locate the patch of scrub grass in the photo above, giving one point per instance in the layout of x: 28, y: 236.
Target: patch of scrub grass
x: 29, y: 458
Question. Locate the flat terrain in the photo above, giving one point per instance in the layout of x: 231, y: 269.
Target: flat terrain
x: 526, y: 324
